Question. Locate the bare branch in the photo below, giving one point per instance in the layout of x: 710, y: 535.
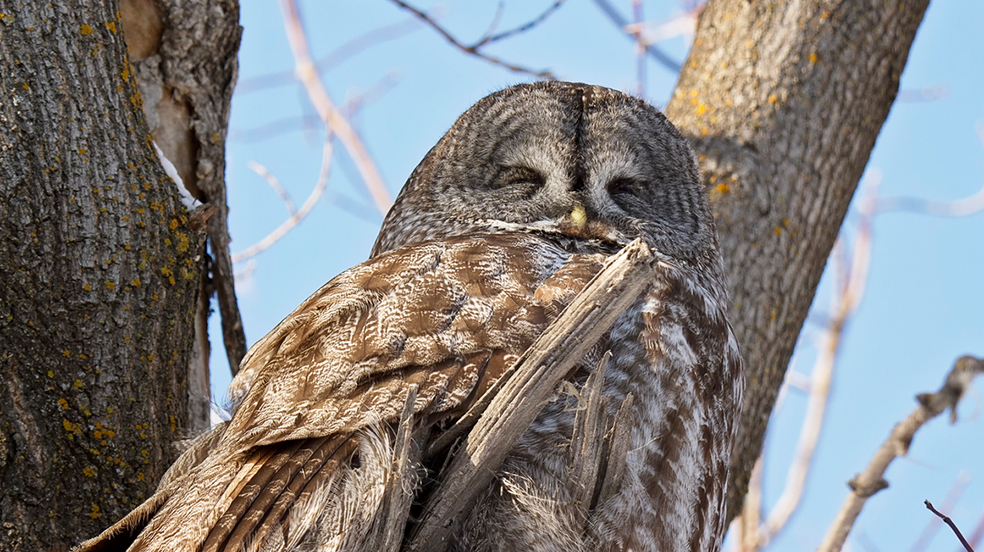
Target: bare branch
x: 326, y: 109
x: 529, y: 388
x: 297, y: 217
x: 620, y: 22
x: 274, y: 183
x: 922, y: 543
x: 957, y: 208
x: 474, y: 49
x: 333, y: 58
x: 871, y: 480
x: 529, y: 25
x: 952, y: 525
x: 925, y: 94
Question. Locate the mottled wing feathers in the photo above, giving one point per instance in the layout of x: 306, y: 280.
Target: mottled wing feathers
x: 434, y: 315
x: 448, y: 317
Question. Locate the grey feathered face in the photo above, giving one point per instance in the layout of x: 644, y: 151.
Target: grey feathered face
x: 581, y: 161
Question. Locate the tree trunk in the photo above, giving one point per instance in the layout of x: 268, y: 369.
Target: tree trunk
x: 783, y: 102
x: 99, y: 277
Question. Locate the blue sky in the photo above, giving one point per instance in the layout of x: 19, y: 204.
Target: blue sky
x: 924, y: 304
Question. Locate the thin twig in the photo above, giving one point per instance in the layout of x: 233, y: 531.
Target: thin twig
x: 297, y: 217
x: 847, y: 297
x: 274, y: 183
x: 326, y: 109
x: 529, y: 389
x: 922, y: 543
x: 474, y: 49
x: 333, y: 58
x: 289, y: 124
x: 956, y: 208
x: 620, y: 22
x: 948, y: 521
x: 522, y: 28
x: 978, y: 534
x: 640, y: 51
x: 871, y: 480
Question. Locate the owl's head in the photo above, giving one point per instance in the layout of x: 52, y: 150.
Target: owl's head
x: 584, y: 162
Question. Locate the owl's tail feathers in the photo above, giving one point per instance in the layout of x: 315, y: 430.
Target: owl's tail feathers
x: 120, y: 535
x: 276, y: 480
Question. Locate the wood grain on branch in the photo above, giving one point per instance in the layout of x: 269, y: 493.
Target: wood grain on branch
x: 783, y: 102
x: 871, y: 480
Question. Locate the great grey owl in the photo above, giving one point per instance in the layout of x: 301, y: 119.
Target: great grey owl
x: 497, y: 229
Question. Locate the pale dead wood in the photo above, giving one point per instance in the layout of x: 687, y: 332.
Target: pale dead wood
x: 871, y: 480
x: 332, y: 117
x: 522, y: 397
x: 588, y: 437
x: 399, y: 493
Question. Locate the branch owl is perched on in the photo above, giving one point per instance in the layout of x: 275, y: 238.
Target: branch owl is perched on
x: 496, y: 231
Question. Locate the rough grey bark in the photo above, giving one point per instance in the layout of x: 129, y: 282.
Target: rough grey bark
x: 101, y: 266
x: 185, y: 57
x: 99, y: 276
x: 783, y: 101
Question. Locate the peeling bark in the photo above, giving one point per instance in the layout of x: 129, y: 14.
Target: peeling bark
x: 783, y: 102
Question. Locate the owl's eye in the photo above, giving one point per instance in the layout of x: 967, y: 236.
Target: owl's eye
x: 625, y: 191
x: 511, y: 177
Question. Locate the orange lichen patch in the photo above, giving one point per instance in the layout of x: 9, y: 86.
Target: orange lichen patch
x: 63, y: 403
x: 111, y: 26
x: 110, y: 285
x: 773, y: 98
x: 87, y: 287
x: 813, y: 58
x: 777, y: 230
x: 89, y: 471
x: 95, y: 513
x: 85, y: 30
x: 722, y: 188
x: 701, y: 109
x: 77, y: 384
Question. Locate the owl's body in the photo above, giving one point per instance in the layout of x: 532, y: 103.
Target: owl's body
x: 497, y: 230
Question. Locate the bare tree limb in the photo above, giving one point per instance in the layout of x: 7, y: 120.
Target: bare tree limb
x: 529, y: 389
x: 948, y: 521
x: 958, y: 208
x: 274, y: 183
x: 297, y: 216
x: 326, y: 109
x: 475, y: 48
x: 666, y: 61
x: 331, y: 59
x: 871, y: 480
x: 529, y: 25
x: 922, y: 543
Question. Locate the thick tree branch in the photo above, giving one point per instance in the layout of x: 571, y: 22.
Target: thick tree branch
x: 871, y: 480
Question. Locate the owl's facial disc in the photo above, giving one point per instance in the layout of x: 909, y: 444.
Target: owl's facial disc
x: 581, y: 162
